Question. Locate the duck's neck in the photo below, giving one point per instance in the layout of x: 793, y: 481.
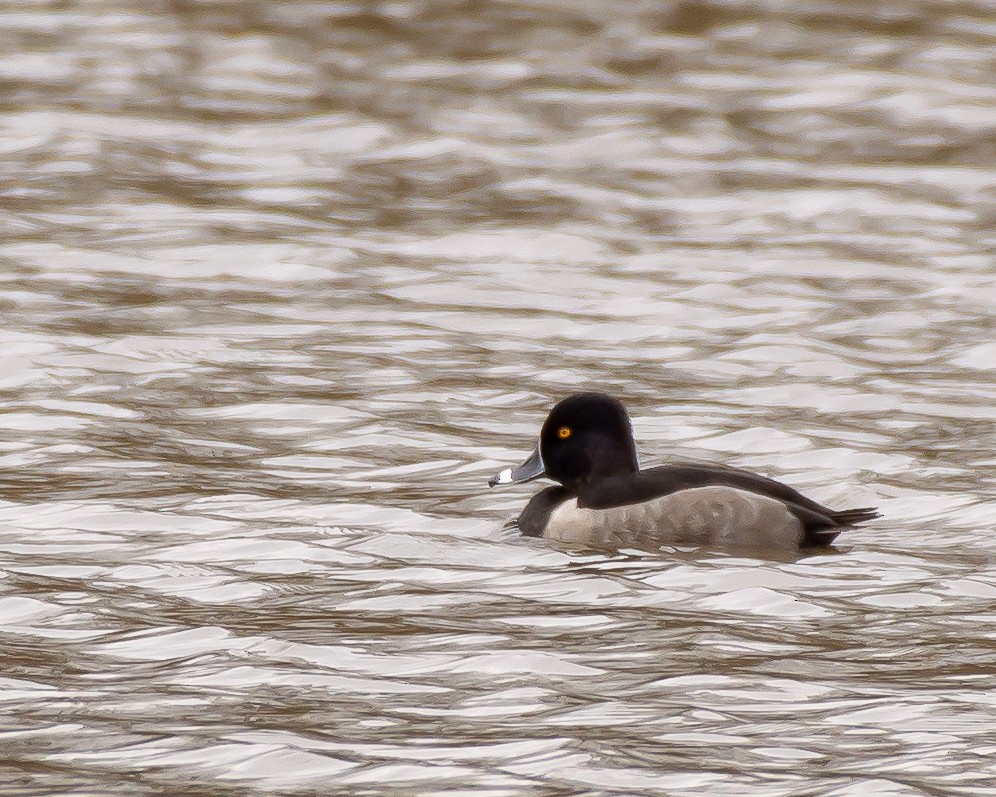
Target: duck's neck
x: 608, y: 462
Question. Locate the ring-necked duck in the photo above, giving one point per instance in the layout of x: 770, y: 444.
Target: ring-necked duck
x: 605, y: 500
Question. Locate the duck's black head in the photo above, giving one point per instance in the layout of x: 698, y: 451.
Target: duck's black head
x: 585, y: 437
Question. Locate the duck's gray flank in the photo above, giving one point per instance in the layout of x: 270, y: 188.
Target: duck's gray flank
x: 699, y: 516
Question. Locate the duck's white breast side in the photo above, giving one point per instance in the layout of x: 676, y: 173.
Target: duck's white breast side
x: 698, y: 516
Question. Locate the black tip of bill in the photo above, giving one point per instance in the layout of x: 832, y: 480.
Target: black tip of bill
x: 502, y: 477
x: 531, y: 469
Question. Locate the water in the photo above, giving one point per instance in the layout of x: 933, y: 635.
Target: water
x: 283, y: 284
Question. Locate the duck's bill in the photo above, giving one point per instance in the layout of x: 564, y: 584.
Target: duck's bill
x: 531, y: 469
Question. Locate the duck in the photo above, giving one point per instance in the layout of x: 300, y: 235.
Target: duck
x: 604, y: 500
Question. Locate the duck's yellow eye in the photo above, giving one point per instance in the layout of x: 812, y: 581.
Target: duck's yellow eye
x: 564, y: 432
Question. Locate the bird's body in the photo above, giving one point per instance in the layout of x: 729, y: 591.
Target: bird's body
x: 605, y: 500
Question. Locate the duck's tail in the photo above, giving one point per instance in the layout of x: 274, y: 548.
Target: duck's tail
x: 849, y: 517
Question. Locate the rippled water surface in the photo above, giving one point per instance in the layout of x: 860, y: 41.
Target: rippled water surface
x: 282, y: 284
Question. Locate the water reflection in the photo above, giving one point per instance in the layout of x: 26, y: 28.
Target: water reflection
x: 283, y: 284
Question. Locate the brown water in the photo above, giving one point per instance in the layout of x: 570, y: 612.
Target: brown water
x: 282, y: 284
